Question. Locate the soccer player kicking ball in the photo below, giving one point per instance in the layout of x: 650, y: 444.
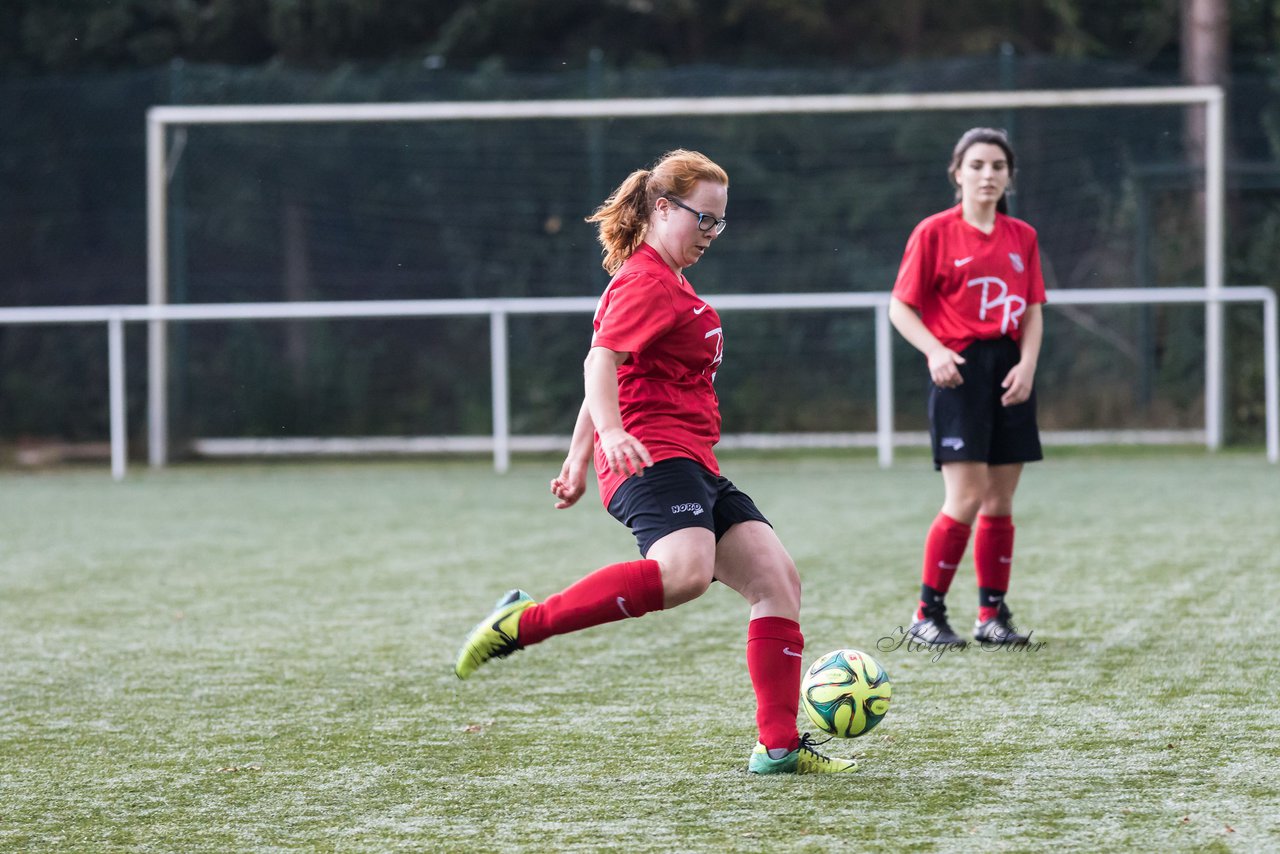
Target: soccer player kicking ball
x: 653, y: 412
x: 968, y: 296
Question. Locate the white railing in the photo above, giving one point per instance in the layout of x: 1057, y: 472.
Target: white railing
x: 498, y: 310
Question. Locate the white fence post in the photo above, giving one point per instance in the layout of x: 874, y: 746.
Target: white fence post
x: 115, y: 370
x: 498, y: 368
x: 884, y: 386
x: 1271, y: 368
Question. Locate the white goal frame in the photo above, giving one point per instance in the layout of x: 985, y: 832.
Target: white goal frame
x: 161, y: 119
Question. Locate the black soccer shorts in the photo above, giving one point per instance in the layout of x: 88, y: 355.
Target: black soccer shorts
x: 968, y: 423
x: 679, y: 493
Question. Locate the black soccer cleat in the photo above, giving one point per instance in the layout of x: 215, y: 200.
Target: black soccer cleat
x: 999, y: 629
x: 933, y: 628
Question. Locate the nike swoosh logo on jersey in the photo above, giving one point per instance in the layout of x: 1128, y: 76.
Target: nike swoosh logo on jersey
x: 622, y: 606
x: 786, y: 650
x: 960, y: 262
x: 701, y: 310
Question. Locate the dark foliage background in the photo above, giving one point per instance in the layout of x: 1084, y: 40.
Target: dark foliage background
x: 464, y: 210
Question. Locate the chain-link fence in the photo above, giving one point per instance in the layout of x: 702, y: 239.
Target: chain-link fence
x: 495, y: 208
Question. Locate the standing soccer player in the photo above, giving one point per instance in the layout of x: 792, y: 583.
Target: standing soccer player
x: 652, y: 410
x: 968, y: 296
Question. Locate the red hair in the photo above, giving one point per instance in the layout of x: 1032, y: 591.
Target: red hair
x: 624, y: 216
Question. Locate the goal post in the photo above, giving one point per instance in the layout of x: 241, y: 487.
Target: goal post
x: 160, y: 120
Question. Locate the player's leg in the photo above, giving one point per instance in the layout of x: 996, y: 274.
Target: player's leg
x: 965, y: 486
x: 679, y: 556
x: 993, y: 556
x: 1015, y: 440
x: 960, y: 431
x: 964, y: 483
x: 678, y: 568
x: 752, y: 560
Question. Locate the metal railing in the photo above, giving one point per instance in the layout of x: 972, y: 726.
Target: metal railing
x: 498, y: 310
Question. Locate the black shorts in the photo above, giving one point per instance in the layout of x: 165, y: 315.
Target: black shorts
x: 679, y: 493
x: 968, y: 423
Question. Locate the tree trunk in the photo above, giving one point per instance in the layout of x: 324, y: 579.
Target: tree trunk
x: 1206, y: 55
x: 1206, y: 61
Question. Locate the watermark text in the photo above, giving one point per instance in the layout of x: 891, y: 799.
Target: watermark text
x: 900, y: 638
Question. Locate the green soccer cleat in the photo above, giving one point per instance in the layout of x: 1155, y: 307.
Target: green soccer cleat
x: 803, y: 760
x: 496, y: 636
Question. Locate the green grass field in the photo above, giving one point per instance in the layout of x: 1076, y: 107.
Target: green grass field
x: 231, y: 658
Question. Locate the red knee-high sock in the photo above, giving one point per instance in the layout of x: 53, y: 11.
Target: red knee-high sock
x: 774, y: 650
x: 612, y: 592
x: 993, y: 554
x: 943, y: 549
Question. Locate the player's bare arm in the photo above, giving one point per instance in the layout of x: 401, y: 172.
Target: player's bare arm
x: 624, y: 453
x: 571, y: 483
x: 942, y: 360
x: 1020, y: 380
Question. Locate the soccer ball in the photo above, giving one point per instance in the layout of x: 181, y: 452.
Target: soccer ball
x: 846, y: 693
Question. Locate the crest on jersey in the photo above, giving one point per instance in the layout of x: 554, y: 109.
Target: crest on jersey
x: 1016, y: 260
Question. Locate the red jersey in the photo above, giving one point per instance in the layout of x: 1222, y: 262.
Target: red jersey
x: 665, y: 389
x: 968, y: 285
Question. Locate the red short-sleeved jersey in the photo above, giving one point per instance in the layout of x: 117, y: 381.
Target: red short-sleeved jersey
x: 969, y: 285
x: 665, y: 389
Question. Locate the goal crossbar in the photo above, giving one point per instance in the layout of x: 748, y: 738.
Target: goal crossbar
x: 651, y: 107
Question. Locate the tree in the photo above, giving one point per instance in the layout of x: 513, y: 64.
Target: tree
x: 38, y: 36
x: 1206, y: 53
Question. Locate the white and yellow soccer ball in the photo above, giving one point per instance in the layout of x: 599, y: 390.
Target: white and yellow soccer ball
x: 846, y: 693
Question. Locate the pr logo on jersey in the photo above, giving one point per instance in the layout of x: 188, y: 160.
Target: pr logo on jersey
x: 1016, y: 260
x: 1014, y: 306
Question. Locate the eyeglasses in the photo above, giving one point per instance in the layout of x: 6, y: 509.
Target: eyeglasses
x: 706, y: 222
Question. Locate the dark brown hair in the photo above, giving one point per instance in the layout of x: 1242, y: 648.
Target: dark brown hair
x: 977, y: 136
x: 624, y: 216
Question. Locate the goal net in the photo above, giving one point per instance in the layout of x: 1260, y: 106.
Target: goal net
x: 481, y: 200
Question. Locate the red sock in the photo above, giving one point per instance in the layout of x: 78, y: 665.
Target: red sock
x: 943, y: 549
x: 613, y: 592
x: 993, y: 554
x: 774, y: 650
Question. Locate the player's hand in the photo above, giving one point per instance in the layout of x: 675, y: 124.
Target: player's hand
x: 1018, y: 384
x: 625, y: 454
x: 570, y: 484
x: 943, y: 368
